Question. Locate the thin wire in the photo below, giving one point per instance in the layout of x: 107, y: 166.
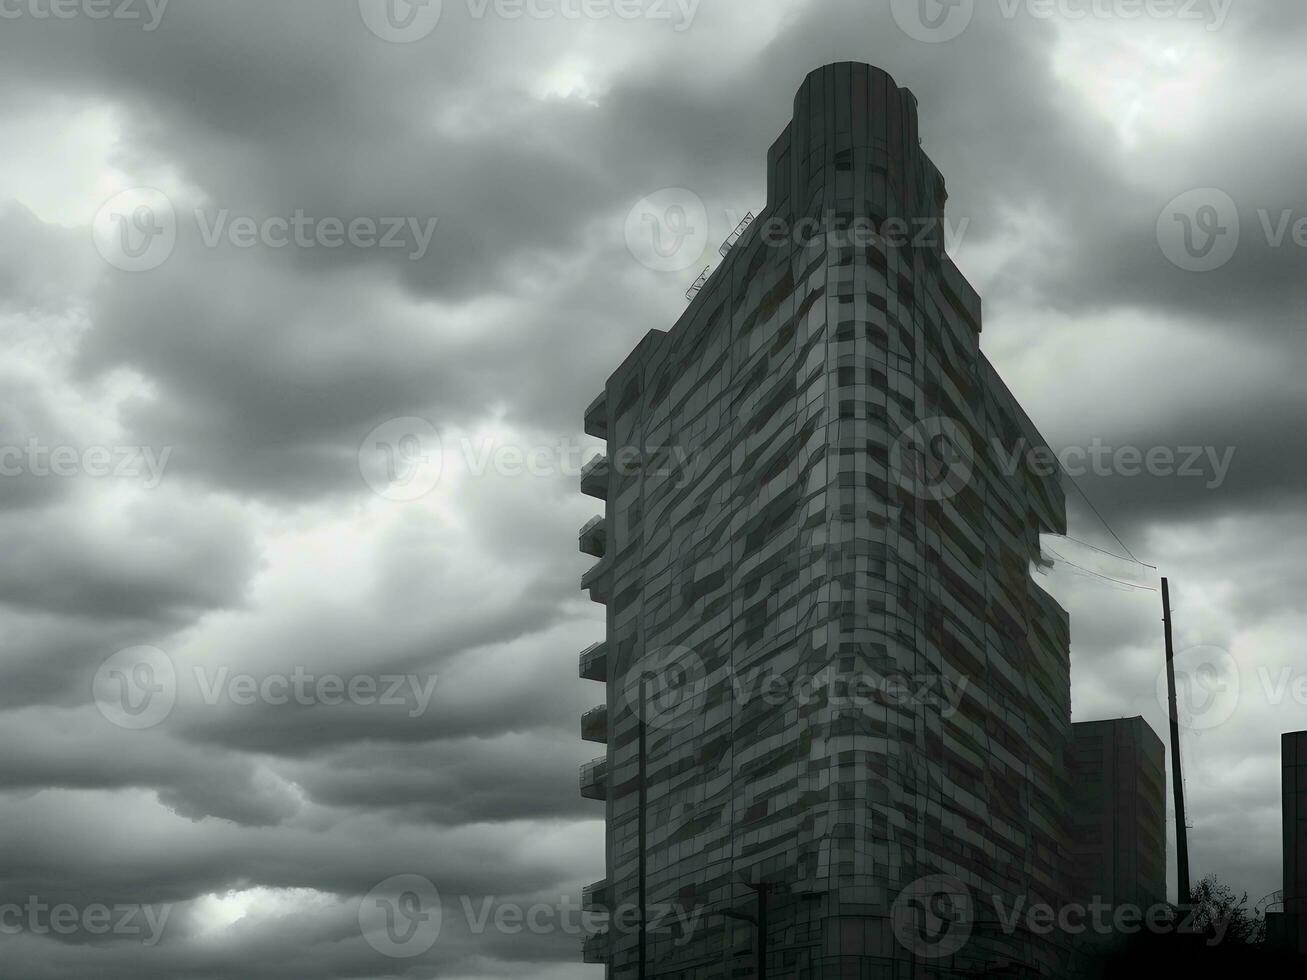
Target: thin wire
x: 1101, y: 518
x: 1110, y: 554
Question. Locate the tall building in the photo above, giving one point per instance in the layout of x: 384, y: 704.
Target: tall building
x: 1293, y: 761
x: 1118, y: 813
x: 830, y: 678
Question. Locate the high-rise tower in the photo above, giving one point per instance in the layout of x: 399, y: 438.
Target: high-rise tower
x: 830, y: 678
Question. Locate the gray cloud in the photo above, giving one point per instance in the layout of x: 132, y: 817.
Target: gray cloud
x: 263, y: 369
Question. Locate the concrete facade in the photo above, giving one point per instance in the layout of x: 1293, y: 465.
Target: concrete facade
x: 811, y: 555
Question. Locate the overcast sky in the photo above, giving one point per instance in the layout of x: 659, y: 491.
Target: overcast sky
x: 197, y: 433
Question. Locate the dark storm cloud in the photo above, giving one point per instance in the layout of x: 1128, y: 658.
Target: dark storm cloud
x: 317, y: 930
x: 70, y: 751
x: 83, y: 581
x: 162, y: 559
x: 264, y: 368
x: 480, y: 780
x: 1226, y: 460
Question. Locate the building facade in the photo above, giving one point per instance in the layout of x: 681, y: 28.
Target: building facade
x: 1118, y: 813
x: 830, y: 679
x: 1293, y: 761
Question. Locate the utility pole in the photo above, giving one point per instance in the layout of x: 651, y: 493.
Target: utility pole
x: 1177, y: 778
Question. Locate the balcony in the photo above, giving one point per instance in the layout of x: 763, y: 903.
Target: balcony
x: 594, y: 947
x: 697, y: 286
x: 594, y: 477
x: 594, y: 663
x: 596, y: 417
x: 594, y: 725
x: 594, y: 898
x: 594, y: 779
x: 594, y: 537
x: 596, y: 580
x: 736, y: 235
